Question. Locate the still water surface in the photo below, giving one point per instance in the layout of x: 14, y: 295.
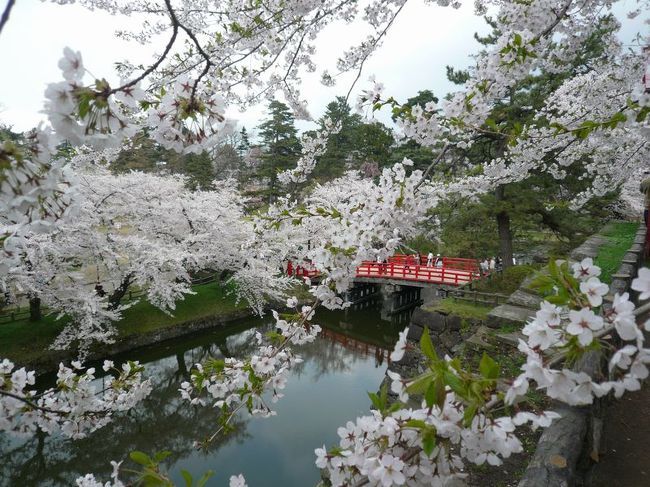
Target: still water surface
x: 324, y: 392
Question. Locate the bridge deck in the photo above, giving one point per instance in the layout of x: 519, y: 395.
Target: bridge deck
x: 400, y: 269
x: 416, y: 273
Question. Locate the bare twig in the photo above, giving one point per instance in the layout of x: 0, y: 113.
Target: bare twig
x: 5, y: 14
x: 162, y: 57
x: 432, y: 165
x: 30, y: 403
x: 372, y: 48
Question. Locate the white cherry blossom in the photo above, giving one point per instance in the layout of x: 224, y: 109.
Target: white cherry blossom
x: 641, y: 284
x: 583, y: 323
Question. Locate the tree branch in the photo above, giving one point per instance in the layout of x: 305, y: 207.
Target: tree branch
x: 162, y: 57
x: 5, y: 14
x: 432, y: 165
x: 31, y: 404
x: 372, y: 48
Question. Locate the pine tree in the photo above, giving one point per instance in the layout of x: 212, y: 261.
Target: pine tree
x: 244, y: 143
x: 340, y: 146
x: 537, y: 201
x: 281, y: 145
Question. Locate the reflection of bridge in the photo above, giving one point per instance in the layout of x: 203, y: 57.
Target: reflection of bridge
x: 349, y: 343
x: 408, y: 270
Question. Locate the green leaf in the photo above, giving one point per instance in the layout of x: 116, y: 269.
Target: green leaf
x: 428, y: 441
x: 187, y: 477
x: 376, y: 402
x: 161, y: 456
x: 430, y: 395
x: 427, y: 346
x: 488, y: 367
x: 206, y: 476
x: 643, y: 114
x: 140, y: 458
x: 455, y: 383
x: 420, y: 384
x: 415, y: 423
x: 396, y: 406
x: 383, y: 396
x: 557, y: 299
x: 470, y: 412
x: 441, y: 393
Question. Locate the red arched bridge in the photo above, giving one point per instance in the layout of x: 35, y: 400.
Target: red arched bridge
x: 414, y: 269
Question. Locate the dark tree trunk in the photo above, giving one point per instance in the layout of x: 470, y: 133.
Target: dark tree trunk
x: 115, y: 298
x: 35, y: 308
x: 505, y: 232
x: 182, y: 366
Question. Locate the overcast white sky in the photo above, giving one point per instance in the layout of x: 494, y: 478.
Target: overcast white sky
x: 423, y: 40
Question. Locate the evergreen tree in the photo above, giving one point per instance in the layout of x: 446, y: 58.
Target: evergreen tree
x: 244, y: 143
x: 373, y: 143
x: 340, y: 146
x: 281, y: 145
x: 421, y: 156
x: 538, y: 201
x: 199, y: 170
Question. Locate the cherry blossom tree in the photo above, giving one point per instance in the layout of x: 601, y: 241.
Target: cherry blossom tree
x: 134, y: 230
x: 236, y: 53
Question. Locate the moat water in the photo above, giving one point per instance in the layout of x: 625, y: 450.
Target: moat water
x: 322, y: 393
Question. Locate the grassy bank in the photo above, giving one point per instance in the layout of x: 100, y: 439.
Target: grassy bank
x: 24, y: 340
x: 463, y: 309
x: 620, y: 236
x: 506, y: 282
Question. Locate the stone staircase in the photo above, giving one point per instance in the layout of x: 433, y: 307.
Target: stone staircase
x: 524, y: 302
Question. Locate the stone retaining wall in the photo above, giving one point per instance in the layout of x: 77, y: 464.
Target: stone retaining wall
x: 49, y: 362
x: 445, y: 332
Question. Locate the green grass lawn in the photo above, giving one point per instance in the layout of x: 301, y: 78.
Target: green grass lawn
x: 461, y: 308
x: 23, y: 340
x: 506, y: 282
x: 210, y: 300
x: 620, y: 236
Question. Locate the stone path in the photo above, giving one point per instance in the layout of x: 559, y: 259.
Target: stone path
x: 626, y: 441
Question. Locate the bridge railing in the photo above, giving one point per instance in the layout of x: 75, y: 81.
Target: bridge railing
x: 300, y: 271
x: 415, y: 273
x: 457, y: 263
x: 453, y: 270
x: 304, y: 269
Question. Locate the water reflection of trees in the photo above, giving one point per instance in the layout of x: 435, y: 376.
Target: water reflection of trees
x: 329, y: 357
x: 163, y: 421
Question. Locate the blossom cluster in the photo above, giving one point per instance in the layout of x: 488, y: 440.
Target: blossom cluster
x: 424, y: 446
x: 312, y: 148
x: 399, y: 445
x: 576, y: 327
x: 232, y: 384
x: 129, y: 230
x: 76, y: 406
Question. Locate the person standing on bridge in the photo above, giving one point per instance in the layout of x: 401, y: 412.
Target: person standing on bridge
x: 438, y: 261
x: 430, y: 259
